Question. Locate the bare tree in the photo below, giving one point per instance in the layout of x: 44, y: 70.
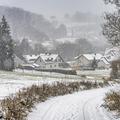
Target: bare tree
x: 115, y: 2
x: 111, y: 30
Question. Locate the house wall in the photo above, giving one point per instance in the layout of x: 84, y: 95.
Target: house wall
x: 52, y: 65
x: 18, y: 61
x: 103, y: 65
x: 82, y: 62
x: 57, y: 64
x: 40, y: 62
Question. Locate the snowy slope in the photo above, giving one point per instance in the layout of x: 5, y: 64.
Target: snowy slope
x: 78, y: 106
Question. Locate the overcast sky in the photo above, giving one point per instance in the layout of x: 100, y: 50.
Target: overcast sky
x: 57, y: 7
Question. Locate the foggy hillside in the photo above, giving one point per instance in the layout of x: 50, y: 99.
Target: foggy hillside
x: 82, y: 17
x: 30, y: 25
x: 40, y: 30
x: 70, y: 50
x: 85, y: 25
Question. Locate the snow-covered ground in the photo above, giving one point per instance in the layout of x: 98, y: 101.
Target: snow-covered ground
x: 84, y: 105
x: 11, y: 82
x: 47, y: 74
x: 96, y: 73
x: 78, y: 106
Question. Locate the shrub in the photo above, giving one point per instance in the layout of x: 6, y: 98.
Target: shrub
x: 16, y: 107
x: 112, y: 101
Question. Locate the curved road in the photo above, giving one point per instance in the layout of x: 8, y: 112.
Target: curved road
x: 85, y: 105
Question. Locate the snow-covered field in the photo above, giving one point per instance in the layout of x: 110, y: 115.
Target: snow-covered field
x: 78, y: 106
x: 96, y: 73
x: 11, y: 82
x: 84, y: 105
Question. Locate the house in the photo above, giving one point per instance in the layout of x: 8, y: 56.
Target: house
x: 112, y: 54
x: 19, y: 61
x: 30, y: 58
x: 71, y: 64
x: 113, y: 57
x: 50, y: 61
x: 87, y: 61
x: 103, y: 63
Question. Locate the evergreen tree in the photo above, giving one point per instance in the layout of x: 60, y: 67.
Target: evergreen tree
x: 94, y: 63
x: 6, y: 46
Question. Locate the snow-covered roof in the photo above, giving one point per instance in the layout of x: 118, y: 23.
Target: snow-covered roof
x: 48, y: 57
x: 77, y: 57
x: 104, y: 60
x: 112, y: 54
x: 30, y: 58
x: 97, y: 56
x: 21, y: 58
x: 35, y: 65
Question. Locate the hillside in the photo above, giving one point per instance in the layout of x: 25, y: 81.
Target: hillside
x: 40, y: 30
x: 30, y: 25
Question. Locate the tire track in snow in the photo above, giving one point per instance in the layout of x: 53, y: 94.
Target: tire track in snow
x: 98, y: 111
x: 85, y: 105
x: 47, y: 112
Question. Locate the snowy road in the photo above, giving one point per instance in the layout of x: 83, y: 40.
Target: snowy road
x: 84, y: 105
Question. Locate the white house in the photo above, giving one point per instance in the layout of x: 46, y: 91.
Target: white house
x: 112, y: 54
x: 103, y: 63
x: 19, y: 61
x: 85, y: 61
x: 113, y: 57
x: 50, y: 61
x: 30, y: 58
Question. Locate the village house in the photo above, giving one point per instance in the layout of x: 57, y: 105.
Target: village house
x: 30, y: 59
x: 50, y: 61
x: 113, y: 57
x: 86, y: 61
x: 103, y: 63
x: 19, y: 61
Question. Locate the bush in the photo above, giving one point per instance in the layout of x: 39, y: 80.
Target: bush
x: 63, y: 71
x: 112, y: 101
x: 16, y: 107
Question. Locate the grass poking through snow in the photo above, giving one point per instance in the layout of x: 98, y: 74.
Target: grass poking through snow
x: 17, y: 106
